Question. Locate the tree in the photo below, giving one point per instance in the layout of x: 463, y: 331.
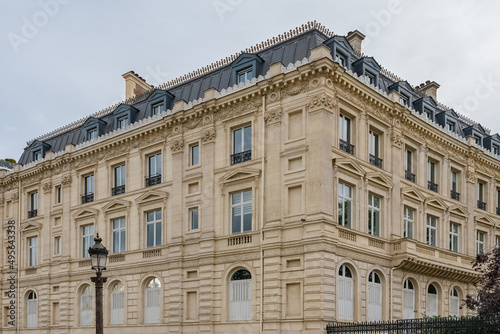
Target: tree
x: 486, y: 301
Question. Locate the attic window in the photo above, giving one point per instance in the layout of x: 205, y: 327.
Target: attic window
x: 158, y: 108
x: 428, y: 112
x: 245, y: 74
x: 450, y: 126
x: 92, y: 134
x: 369, y: 78
x: 37, y: 155
x: 477, y: 139
x: 496, y: 149
x: 403, y: 99
x: 122, y: 122
x: 341, y: 59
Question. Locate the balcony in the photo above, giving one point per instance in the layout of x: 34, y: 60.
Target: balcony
x: 455, y: 195
x: 153, y: 180
x: 346, y: 147
x: 117, y: 190
x: 376, y: 161
x: 409, y: 176
x: 481, y: 205
x: 241, y: 157
x: 432, y: 186
x: 88, y: 198
x: 32, y: 213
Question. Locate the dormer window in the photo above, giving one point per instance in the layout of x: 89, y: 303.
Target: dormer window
x: 37, y: 155
x: 122, y: 122
x: 496, y: 149
x: 403, y: 99
x: 92, y: 134
x: 369, y: 78
x: 245, y: 74
x: 428, y: 112
x: 158, y: 108
x: 477, y: 140
x: 450, y: 126
x: 341, y: 59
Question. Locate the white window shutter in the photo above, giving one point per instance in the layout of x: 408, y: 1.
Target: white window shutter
x: 240, y: 296
x: 374, y: 301
x: 409, y: 304
x: 152, y: 306
x: 32, y: 320
x: 117, y: 308
x: 346, y: 302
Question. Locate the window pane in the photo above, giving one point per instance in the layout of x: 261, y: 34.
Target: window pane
x: 238, y: 141
x: 150, y: 235
x: 158, y: 234
x: 248, y: 138
x: 236, y: 220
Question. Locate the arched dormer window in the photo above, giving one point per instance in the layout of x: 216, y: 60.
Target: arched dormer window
x: 246, y: 67
x: 124, y: 115
x: 37, y: 150
x: 368, y: 68
x: 341, y: 50
x: 405, y: 92
x: 158, y: 102
x: 426, y: 105
x: 93, y: 128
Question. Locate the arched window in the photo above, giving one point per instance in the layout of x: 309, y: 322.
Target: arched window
x: 32, y: 310
x: 86, y: 306
x: 240, y: 295
x: 454, y: 303
x: 432, y: 301
x: 409, y: 300
x: 152, y: 302
x: 374, y: 297
x: 345, y: 293
x: 117, y: 304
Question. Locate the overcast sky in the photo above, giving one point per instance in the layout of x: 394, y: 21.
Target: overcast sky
x: 61, y: 60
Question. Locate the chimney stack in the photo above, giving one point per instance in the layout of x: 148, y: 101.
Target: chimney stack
x: 355, y: 38
x: 429, y: 88
x: 134, y: 85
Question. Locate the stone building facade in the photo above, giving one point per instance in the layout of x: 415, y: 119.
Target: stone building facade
x: 274, y: 191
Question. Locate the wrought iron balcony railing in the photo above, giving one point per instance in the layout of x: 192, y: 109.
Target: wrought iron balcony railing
x: 409, y: 176
x: 481, y: 205
x: 117, y: 190
x: 376, y: 161
x: 153, y: 180
x: 32, y: 213
x: 455, y: 195
x: 432, y: 186
x: 346, y: 147
x: 241, y: 157
x: 88, y: 198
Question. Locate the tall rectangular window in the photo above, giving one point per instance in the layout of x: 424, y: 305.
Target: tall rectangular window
x: 374, y: 149
x: 454, y: 237
x: 480, y: 237
x: 88, y: 189
x: 118, y: 226
x: 409, y: 175
x: 480, y: 196
x: 33, y: 204
x: 454, y: 185
x: 154, y: 170
x: 242, y: 144
x: 119, y: 174
x: 345, y: 205
x: 241, y: 211
x: 32, y: 251
x: 431, y: 230
x: 374, y: 215
x: 431, y: 176
x: 194, y: 158
x: 153, y: 228
x: 345, y: 134
x: 58, y: 194
x: 193, y: 219
x: 57, y: 245
x: 408, y: 221
x: 87, y: 239
x: 497, y: 240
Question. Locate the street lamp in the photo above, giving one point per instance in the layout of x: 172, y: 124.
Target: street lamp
x: 98, y: 257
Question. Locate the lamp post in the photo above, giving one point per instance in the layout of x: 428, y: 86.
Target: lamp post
x: 98, y: 257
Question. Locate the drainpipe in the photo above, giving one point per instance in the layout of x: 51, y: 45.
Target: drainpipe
x: 390, y: 294
x: 262, y: 184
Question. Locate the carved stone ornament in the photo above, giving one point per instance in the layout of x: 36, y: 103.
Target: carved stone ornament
x: 177, y: 146
x: 273, y: 116
x: 208, y: 136
x: 397, y: 138
x: 470, y: 175
x: 15, y: 197
x: 66, y: 181
x: 47, y: 186
x: 294, y: 90
x: 322, y: 101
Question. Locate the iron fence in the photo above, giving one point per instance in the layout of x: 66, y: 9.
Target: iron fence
x: 437, y: 325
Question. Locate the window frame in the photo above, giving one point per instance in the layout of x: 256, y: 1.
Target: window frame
x: 87, y: 239
x: 373, y: 213
x: 122, y: 122
x: 157, y: 227
x: 341, y: 200
x: 191, y: 215
x: 245, y: 73
x: 57, y: 245
x: 92, y: 134
x: 454, y: 244
x: 243, y: 153
x: 480, y: 244
x: 58, y: 195
x: 121, y: 232
x: 194, y: 152
x: 408, y: 221
x: 242, y: 205
x: 431, y: 230
x: 32, y: 257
